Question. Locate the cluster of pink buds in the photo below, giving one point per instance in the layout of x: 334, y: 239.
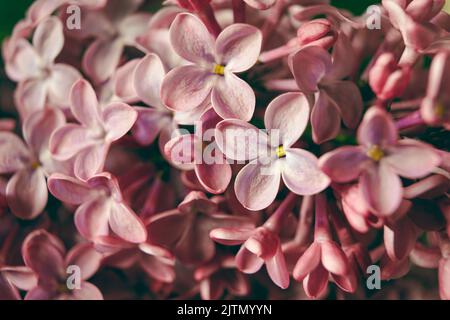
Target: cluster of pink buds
x: 221, y: 149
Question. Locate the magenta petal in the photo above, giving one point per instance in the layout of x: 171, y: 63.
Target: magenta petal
x: 248, y: 262
x: 278, y: 272
x: 309, y: 65
x: 26, y: 193
x: 91, y: 218
x: 68, y: 189
x: 256, y: 185
x: 187, y: 87
x: 381, y: 188
x: 288, y: 113
x: 118, y: 118
x: 377, y: 128
x: 344, y: 164
x: 191, y: 39
x: 126, y: 224
x: 412, y: 159
x: 233, y: 98
x: 238, y: 47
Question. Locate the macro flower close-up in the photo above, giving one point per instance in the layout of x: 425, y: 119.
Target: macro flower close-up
x: 192, y: 150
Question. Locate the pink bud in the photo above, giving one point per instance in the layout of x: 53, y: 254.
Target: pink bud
x: 318, y: 32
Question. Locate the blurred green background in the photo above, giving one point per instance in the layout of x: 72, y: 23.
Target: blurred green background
x: 12, y: 11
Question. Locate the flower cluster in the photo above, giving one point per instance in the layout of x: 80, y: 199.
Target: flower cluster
x: 178, y: 148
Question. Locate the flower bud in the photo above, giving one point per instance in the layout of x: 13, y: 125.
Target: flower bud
x: 318, y: 32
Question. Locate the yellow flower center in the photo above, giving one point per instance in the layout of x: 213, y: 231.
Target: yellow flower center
x: 219, y: 69
x: 439, y: 110
x: 281, y: 153
x: 375, y: 153
x: 35, y: 165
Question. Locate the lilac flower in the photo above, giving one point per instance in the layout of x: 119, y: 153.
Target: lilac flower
x: 379, y: 160
x: 272, y: 157
x: 89, y: 141
x: 211, y: 76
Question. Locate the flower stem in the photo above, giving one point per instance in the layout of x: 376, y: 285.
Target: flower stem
x: 411, y: 120
x: 305, y: 220
x: 239, y: 11
x: 322, y: 225
x: 206, y: 14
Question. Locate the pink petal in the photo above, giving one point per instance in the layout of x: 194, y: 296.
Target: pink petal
x: 309, y: 65
x: 325, y: 118
x: 148, y: 125
x: 90, y: 161
x: 377, y: 128
x: 256, y: 185
x: 87, y: 292
x: 215, y: 178
x: 210, y: 289
x: 123, y: 82
x: 48, y: 39
x: 148, y: 78
x: 233, y: 98
x: 31, y: 95
x: 132, y: 26
x: 248, y: 262
x: 412, y: 159
x: 157, y: 269
x: 239, y: 140
x: 191, y: 39
x: 381, y: 188
x: 316, y: 282
x: 187, y: 87
x: 184, y: 149
x: 24, y: 62
x: 68, y: 189
x: 168, y: 227
x: 118, y: 118
x: 399, y: 239
x: 21, y: 277
x: 86, y: 257
x: 126, y: 224
x: 334, y: 259
x: 69, y: 140
x: 101, y: 58
x: 238, y: 47
x: 344, y: 164
x: 230, y: 236
x: 260, y: 4
x: 309, y: 261
x: 278, y: 272
x: 26, y: 193
x: 288, y: 113
x: 444, y: 279
x: 39, y: 293
x: 301, y: 172
x: 425, y: 257
x: 14, y: 155
x: 7, y: 290
x: 84, y: 103
x: 91, y: 218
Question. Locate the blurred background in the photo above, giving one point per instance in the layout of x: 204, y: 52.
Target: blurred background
x: 12, y: 11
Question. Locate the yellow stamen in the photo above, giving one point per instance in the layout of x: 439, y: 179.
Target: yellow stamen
x: 35, y: 165
x: 281, y: 153
x: 219, y: 69
x: 375, y: 153
x: 439, y: 110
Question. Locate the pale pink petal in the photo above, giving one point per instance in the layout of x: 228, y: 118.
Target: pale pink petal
x: 239, y: 140
x: 69, y: 140
x: 84, y: 103
x: 24, y: 62
x: 26, y: 193
x: 91, y: 218
x: 87, y: 292
x: 257, y: 185
x: 214, y: 177
x: 48, y: 39
x: 90, y: 161
x: 278, y: 272
x: 31, y: 95
x: 288, y: 113
x: 39, y: 293
x: 148, y: 125
x: 133, y: 26
x: 123, y: 82
x: 191, y: 39
x: 187, y: 87
x: 118, y: 118
x: 238, y: 47
x: 248, y: 262
x: 309, y: 65
x: 184, y: 149
x: 301, y: 173
x: 334, y: 259
x: 126, y: 224
x: 325, y: 118
x: 230, y: 236
x: 316, y: 282
x: 344, y: 164
x: 381, y: 188
x: 68, y: 189
x: 412, y: 159
x: 86, y: 257
x: 21, y: 277
x: 377, y: 128
x: 101, y: 58
x: 148, y: 78
x: 260, y: 4
x: 233, y: 98
x: 14, y: 155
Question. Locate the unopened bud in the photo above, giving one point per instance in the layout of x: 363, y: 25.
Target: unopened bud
x: 318, y: 32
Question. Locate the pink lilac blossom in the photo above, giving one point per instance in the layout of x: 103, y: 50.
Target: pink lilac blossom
x: 212, y: 148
